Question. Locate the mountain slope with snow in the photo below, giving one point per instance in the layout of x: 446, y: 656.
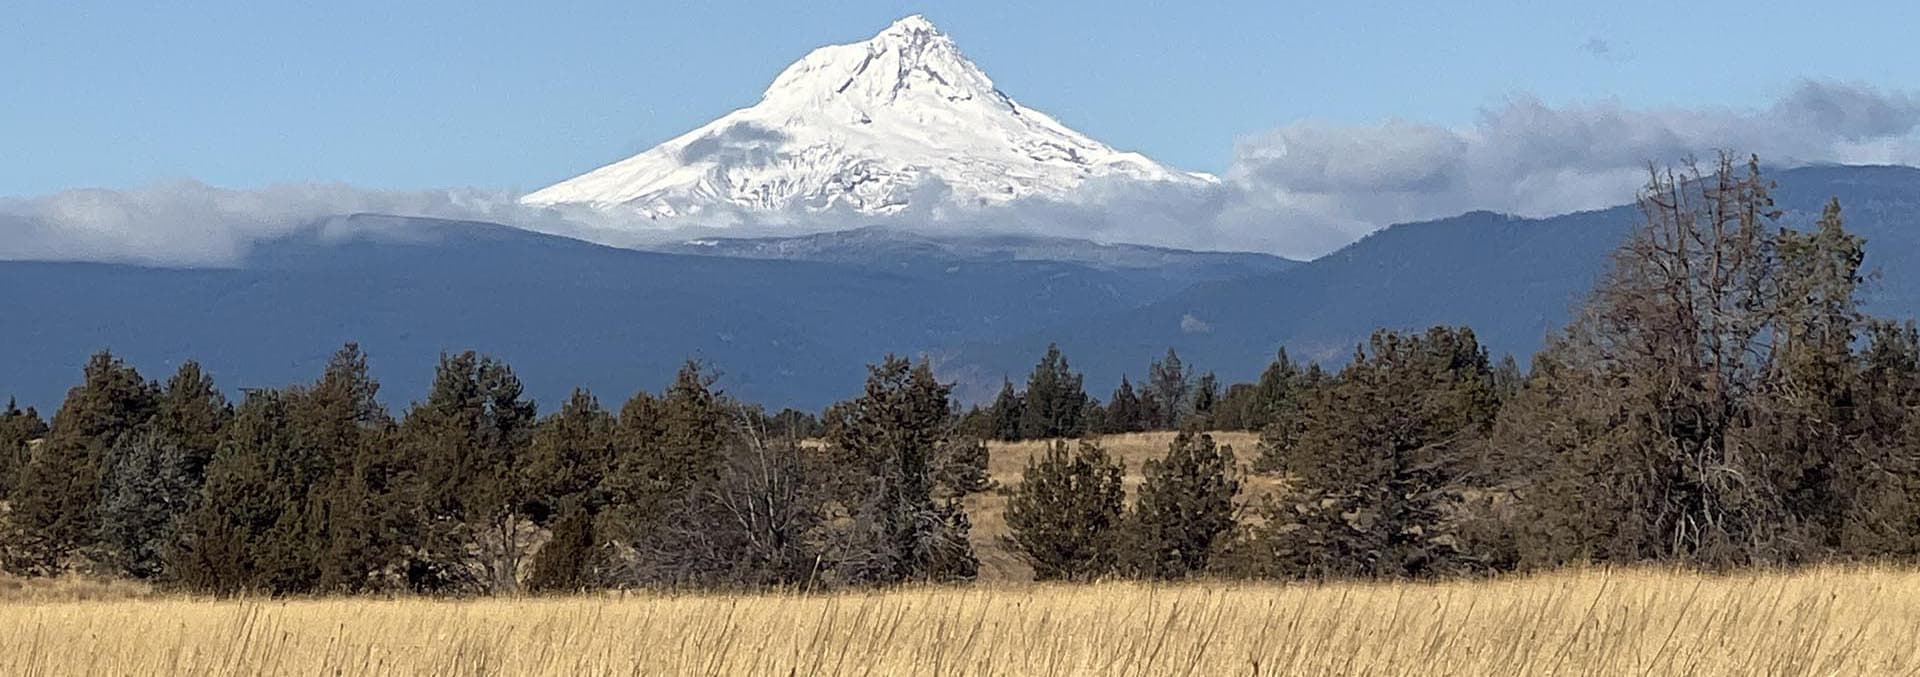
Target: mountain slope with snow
x: 870, y: 127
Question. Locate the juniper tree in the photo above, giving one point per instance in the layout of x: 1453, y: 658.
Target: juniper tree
x: 1206, y: 395
x: 1237, y: 407
x: 1006, y: 414
x: 150, y: 483
x: 1124, y: 413
x: 666, y: 452
x: 1172, y: 389
x: 1882, y: 521
x: 794, y: 424
x: 237, y: 536
x: 567, y: 463
x: 569, y: 457
x: 467, y: 440
x: 890, y: 440
x: 1185, y: 508
x: 1065, y: 514
x: 1389, y: 449
x: 191, y: 412
x: 18, y: 430
x: 1287, y: 394
x: 1276, y: 388
x: 1694, y: 409
x: 359, y: 503
x: 56, y: 501
x: 1055, y: 399
x: 151, y: 477
x: 566, y: 562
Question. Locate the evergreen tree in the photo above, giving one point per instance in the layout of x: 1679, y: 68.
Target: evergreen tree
x: 1391, y: 445
x: 695, y: 421
x: 1124, y: 413
x: 18, y: 431
x: 634, y: 485
x: 56, y: 501
x: 1172, y: 390
x: 1093, y: 418
x: 1153, y: 412
x: 1508, y: 379
x: 566, y: 562
x: 1065, y: 513
x: 236, y: 536
x: 1185, y: 508
x: 667, y: 452
x: 1276, y: 388
x: 1286, y: 395
x: 567, y: 464
x: 358, y: 506
x: 1007, y: 413
x: 1055, y: 399
x: 153, y: 476
x: 1696, y: 411
x: 891, y: 438
x: 150, y: 484
x: 794, y: 424
x: 1206, y: 395
x: 469, y: 438
x: 191, y: 413
x: 1882, y: 519
x: 1806, y: 413
x: 1237, y: 408
x: 569, y: 458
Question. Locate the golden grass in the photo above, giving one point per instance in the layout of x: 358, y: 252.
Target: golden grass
x: 69, y: 589
x: 1832, y: 621
x: 1821, y: 622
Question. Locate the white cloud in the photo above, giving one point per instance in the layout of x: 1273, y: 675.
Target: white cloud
x: 1301, y: 190
x: 1527, y: 157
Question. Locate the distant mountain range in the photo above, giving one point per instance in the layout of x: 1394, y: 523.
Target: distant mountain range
x: 1514, y: 280
x: 789, y: 330
x: 792, y: 321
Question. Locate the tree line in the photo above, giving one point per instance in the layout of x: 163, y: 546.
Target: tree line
x: 319, y: 489
x: 1719, y: 401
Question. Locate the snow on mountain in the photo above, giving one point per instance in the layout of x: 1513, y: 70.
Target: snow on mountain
x: 868, y: 127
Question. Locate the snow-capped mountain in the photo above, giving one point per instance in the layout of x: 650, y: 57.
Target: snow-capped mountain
x: 869, y: 127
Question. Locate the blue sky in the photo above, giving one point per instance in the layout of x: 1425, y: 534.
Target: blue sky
x: 514, y: 95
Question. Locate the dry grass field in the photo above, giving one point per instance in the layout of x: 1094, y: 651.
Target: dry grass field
x: 1862, y: 621
x: 1825, y: 622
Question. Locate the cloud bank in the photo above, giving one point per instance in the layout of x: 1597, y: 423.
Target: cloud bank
x: 1301, y: 190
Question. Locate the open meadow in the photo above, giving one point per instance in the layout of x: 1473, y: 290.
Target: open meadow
x: 1817, y: 622
x: 1831, y: 621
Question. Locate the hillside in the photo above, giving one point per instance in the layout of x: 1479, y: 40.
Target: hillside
x: 563, y: 312
x: 1514, y: 280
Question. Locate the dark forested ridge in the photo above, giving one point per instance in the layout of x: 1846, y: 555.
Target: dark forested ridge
x: 566, y: 312
x: 1722, y: 398
x: 1514, y: 280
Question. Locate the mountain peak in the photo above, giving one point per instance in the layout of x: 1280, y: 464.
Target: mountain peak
x: 911, y: 24
x: 869, y: 127
x: 909, y: 54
